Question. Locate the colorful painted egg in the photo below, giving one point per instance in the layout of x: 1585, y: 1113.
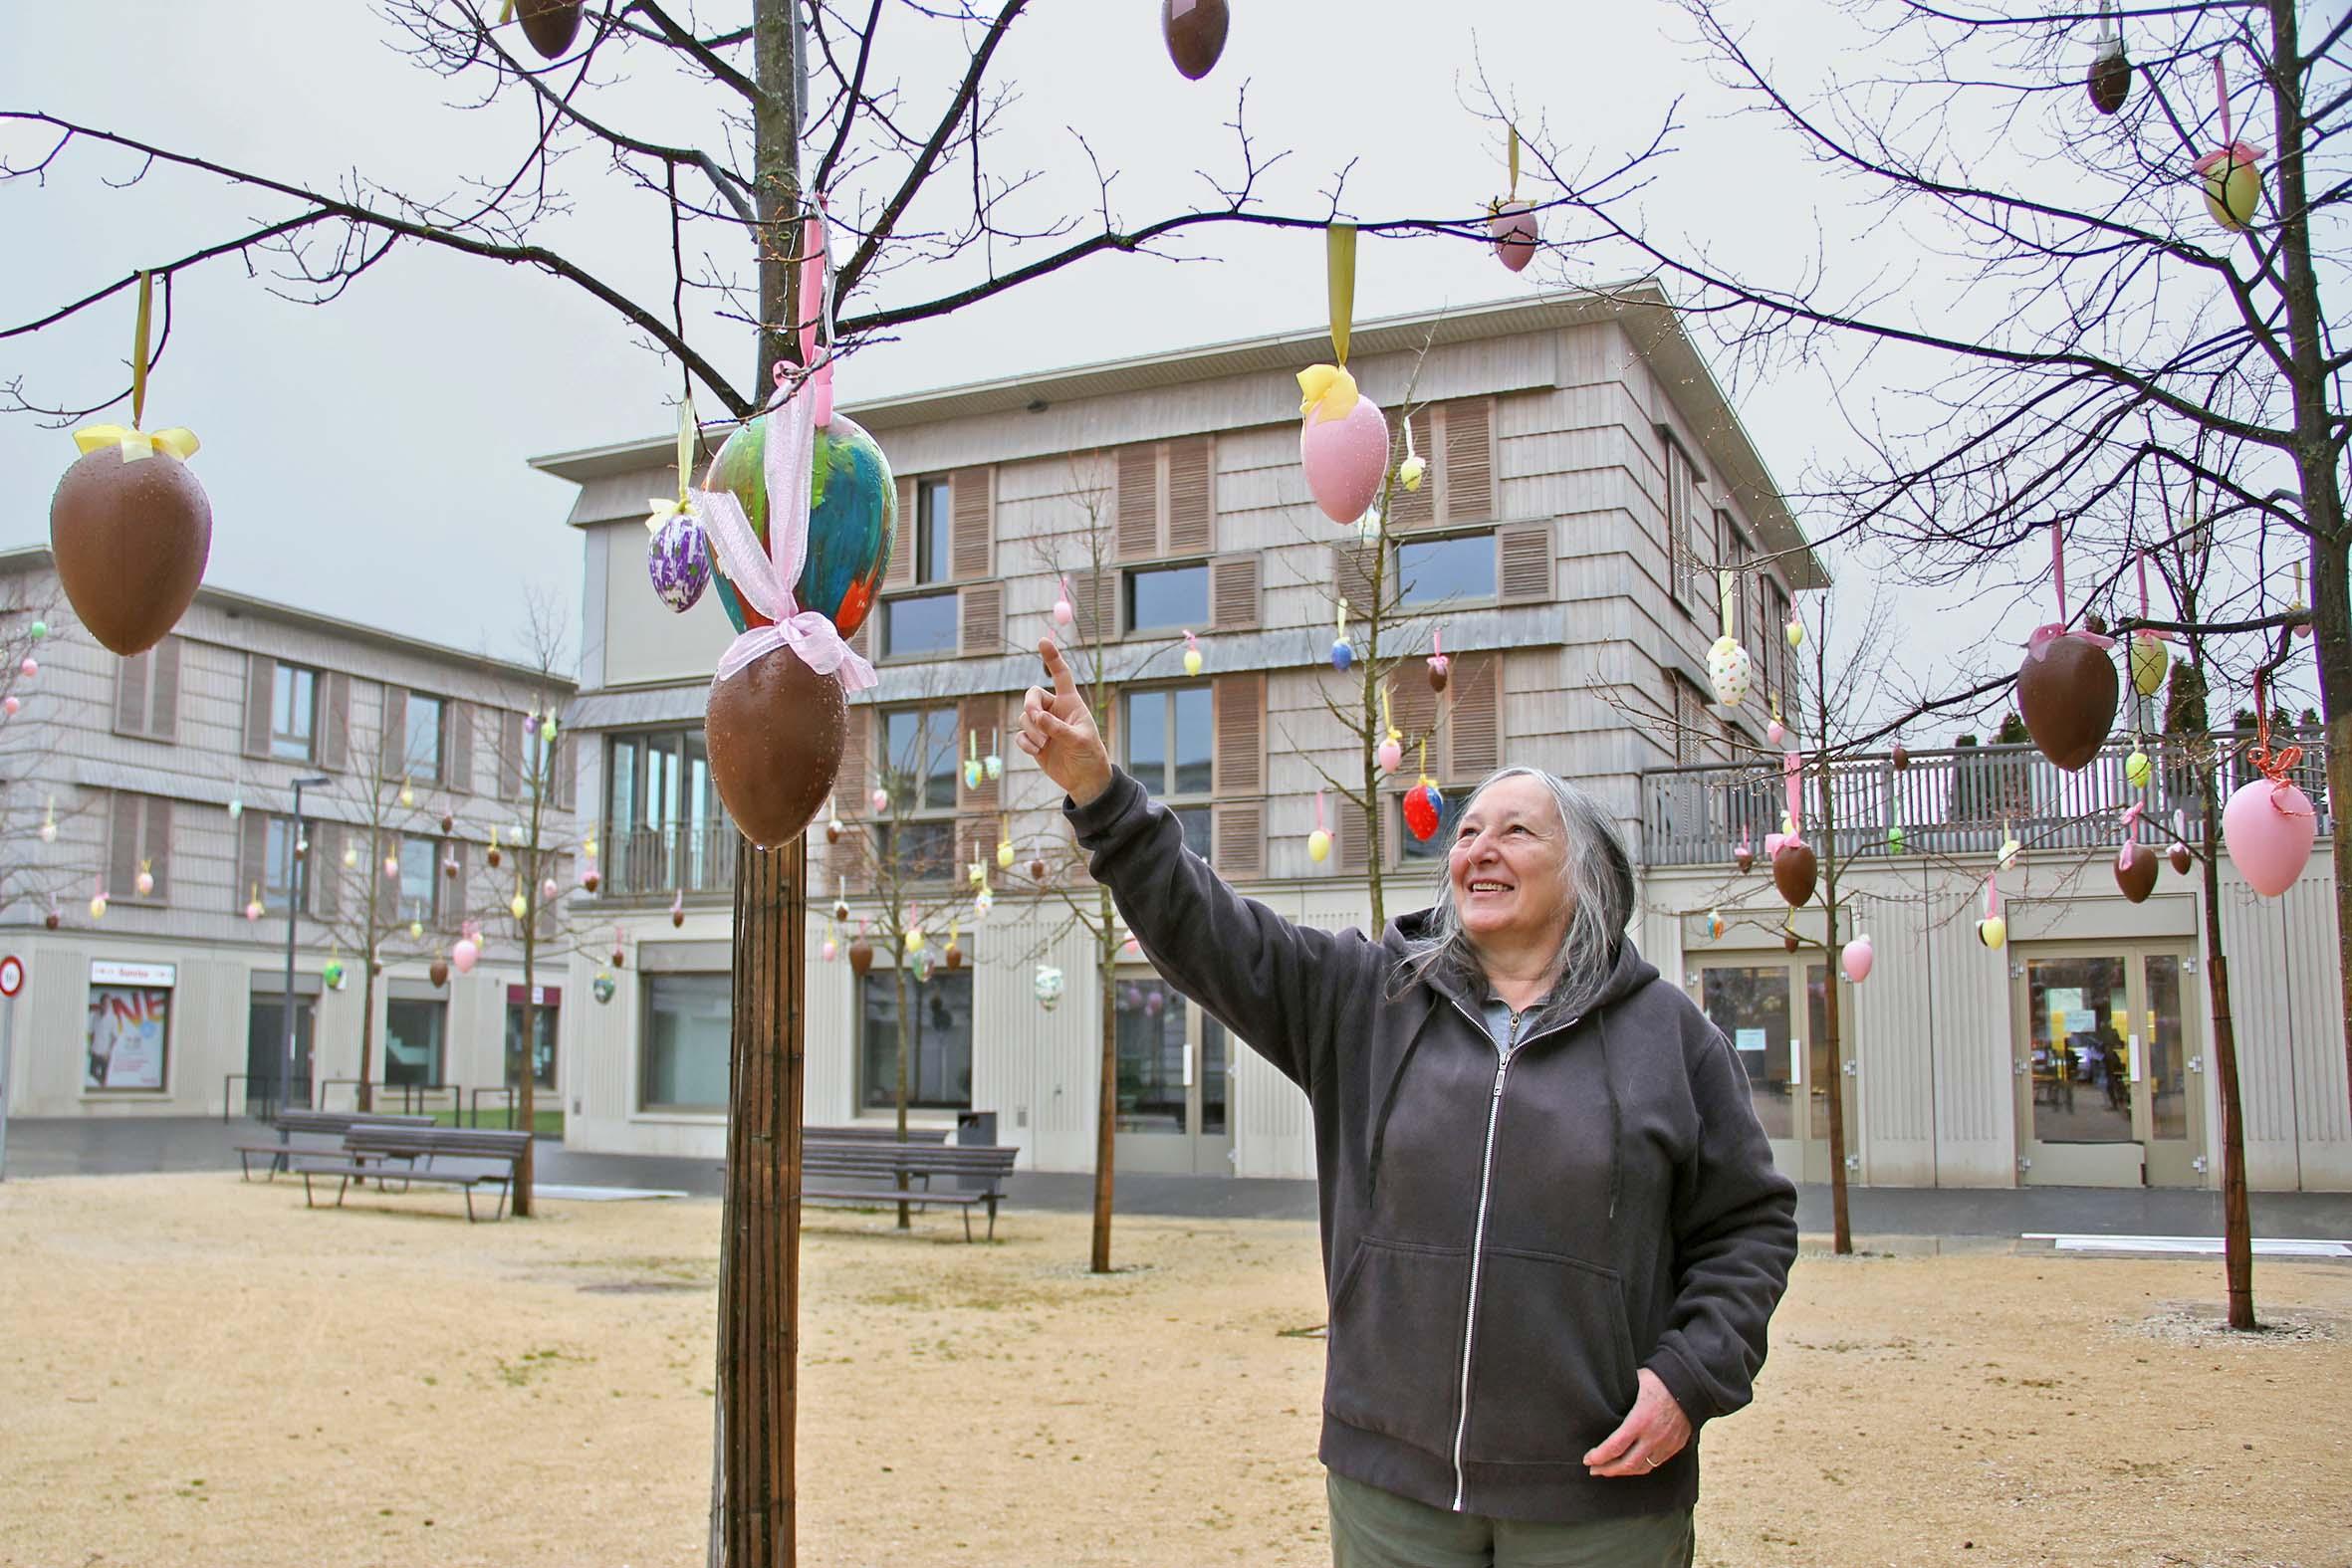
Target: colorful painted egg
x: 1424, y: 807
x: 1728, y: 670
x: 852, y: 519
x: 603, y: 987
x: 678, y: 560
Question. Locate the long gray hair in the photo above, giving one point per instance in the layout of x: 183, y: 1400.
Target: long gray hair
x: 1600, y: 881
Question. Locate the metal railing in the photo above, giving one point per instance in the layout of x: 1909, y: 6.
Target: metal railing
x: 1956, y: 802
x: 261, y: 1095
x: 415, y: 1099
x: 696, y: 857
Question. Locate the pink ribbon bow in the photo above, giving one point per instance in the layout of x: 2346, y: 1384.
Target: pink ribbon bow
x: 817, y: 305
x: 764, y: 577
x: 2037, y: 646
x: 1793, y: 775
x: 2131, y: 836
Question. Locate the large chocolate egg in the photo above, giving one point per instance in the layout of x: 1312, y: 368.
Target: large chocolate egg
x: 852, y: 518
x: 550, y: 24
x: 131, y: 541
x: 2178, y: 854
x: 775, y: 730
x: 2068, y: 697
x: 437, y: 971
x: 1796, y: 868
x: 1195, y: 31
x: 2135, y: 872
x: 861, y: 954
x: 2110, y: 79
x: 678, y: 560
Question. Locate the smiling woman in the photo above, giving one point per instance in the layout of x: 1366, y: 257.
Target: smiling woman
x: 1540, y: 1170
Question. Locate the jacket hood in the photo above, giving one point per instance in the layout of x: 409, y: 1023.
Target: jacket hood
x: 1627, y: 975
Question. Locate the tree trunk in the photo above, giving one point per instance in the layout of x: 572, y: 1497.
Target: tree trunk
x: 2331, y: 638
x: 905, y: 1025
x: 366, y: 1031
x: 1834, y: 1091
x: 1106, y: 1106
x: 752, y: 1502
x: 527, y: 1077
x: 2238, y: 1245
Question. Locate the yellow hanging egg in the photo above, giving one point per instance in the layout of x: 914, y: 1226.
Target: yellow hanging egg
x: 914, y: 940
x: 1796, y: 632
x: 2233, y: 190
x: 518, y: 905
x: 1192, y: 661
x: 1992, y: 932
x: 2151, y: 658
x: 1004, y: 854
x: 1319, y: 846
x: 2136, y: 768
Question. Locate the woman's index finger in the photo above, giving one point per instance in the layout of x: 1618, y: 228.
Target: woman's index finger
x: 1064, y: 683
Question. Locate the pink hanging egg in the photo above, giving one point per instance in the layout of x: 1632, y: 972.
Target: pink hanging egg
x: 1392, y: 757
x: 1857, y: 959
x: 1063, y: 614
x: 1345, y: 459
x: 31, y: 667
x: 880, y: 801
x: 1512, y: 226
x: 11, y: 704
x: 1775, y: 732
x: 464, y: 953
x: 2269, y: 830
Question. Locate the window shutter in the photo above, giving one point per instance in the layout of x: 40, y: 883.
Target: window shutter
x: 1239, y: 765
x: 1412, y: 708
x: 1096, y: 607
x: 1233, y: 593
x: 1467, y: 475
x: 164, y: 692
x: 387, y: 888
x: 902, y: 570
x: 981, y: 605
x: 261, y: 678
x: 122, y: 847
x: 1138, y: 509
x: 974, y: 499
x: 453, y: 896
x: 846, y: 860
x: 1192, y: 510
x: 860, y: 641
x: 1352, y: 578
x: 326, y: 870
x: 1355, y: 837
x: 252, y: 828
x: 1524, y: 567
x: 1409, y: 509
x: 511, y: 762
x: 981, y: 719
x: 155, y: 845
x: 1475, y: 746
x: 336, y: 723
x: 130, y: 695
x: 394, y: 736
x: 458, y: 776
x: 567, y: 772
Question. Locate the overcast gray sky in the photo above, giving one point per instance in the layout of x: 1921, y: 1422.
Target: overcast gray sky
x: 366, y: 459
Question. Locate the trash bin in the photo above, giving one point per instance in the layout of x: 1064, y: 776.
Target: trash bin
x: 978, y: 1128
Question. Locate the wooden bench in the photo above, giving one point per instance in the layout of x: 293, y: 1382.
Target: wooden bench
x: 368, y: 1149
x: 829, y: 1166
x: 873, y: 1132
x: 317, y: 1124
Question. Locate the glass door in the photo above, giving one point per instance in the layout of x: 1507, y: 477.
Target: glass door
x: 265, y: 1052
x: 1174, y: 1082
x: 2106, y: 1071
x: 1790, y: 1068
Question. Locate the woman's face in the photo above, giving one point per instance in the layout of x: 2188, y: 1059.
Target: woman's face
x: 1509, y: 865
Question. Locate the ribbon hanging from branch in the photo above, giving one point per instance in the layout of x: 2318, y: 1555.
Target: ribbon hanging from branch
x: 1793, y: 824
x: 138, y: 444
x: 1330, y: 388
x: 2038, y: 645
x: 662, y: 509
x: 2131, y: 836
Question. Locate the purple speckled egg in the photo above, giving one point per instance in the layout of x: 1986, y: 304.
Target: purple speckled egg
x: 679, y: 562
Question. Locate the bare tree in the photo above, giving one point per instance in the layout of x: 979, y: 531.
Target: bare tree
x: 30, y: 735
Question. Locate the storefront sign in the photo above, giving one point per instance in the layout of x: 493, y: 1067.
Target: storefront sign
x: 107, y: 971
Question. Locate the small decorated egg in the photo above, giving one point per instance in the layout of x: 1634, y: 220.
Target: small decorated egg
x: 465, y: 953
x: 1319, y: 846
x: 1424, y: 807
x: 603, y: 987
x: 1391, y: 756
x: 678, y: 560
x: 1341, y: 654
x: 1046, y: 987
x: 1728, y: 671
x: 2136, y: 768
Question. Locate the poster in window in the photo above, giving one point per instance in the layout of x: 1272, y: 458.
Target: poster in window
x: 130, y: 1027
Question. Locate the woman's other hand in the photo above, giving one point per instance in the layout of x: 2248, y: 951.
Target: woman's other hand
x: 1654, y: 1431
x: 1057, y: 729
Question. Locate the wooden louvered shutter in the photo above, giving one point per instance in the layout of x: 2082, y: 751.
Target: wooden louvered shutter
x: 511, y: 760
x: 253, y: 837
x: 1138, y: 512
x: 1355, y: 835
x: 1096, y: 605
x: 981, y: 607
x: 335, y: 724
x: 130, y: 695
x: 1523, y: 563
x: 458, y: 774
x: 846, y: 862
x: 978, y: 721
x: 453, y: 908
x: 1233, y: 593
x: 1239, y: 765
x: 155, y: 841
x: 900, y: 572
x: 395, y: 739
x: 974, y: 499
x: 261, y: 680
x: 1192, y: 511
x: 122, y: 845
x: 1412, y: 708
x: 1467, y: 475
x: 1475, y: 749
x: 861, y: 640
x: 567, y: 772
x: 387, y: 847
x: 326, y: 870
x: 164, y: 692
x: 1408, y: 509
x: 1352, y: 578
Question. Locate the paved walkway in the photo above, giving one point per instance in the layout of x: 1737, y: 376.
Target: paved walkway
x: 122, y: 1145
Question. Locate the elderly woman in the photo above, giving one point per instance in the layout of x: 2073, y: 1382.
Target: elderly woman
x: 1553, y: 1234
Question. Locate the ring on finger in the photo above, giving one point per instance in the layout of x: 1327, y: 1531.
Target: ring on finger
x: 1650, y: 1460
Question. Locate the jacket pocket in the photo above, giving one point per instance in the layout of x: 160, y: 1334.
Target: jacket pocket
x: 1552, y: 1367
x: 1395, y: 1361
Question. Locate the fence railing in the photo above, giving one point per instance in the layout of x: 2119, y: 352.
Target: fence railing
x: 694, y: 857
x: 1956, y: 802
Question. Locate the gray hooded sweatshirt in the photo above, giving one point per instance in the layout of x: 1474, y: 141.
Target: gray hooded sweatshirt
x: 1508, y: 1237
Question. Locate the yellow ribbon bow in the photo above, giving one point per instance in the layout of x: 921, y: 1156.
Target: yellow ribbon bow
x: 136, y: 443
x: 1328, y: 388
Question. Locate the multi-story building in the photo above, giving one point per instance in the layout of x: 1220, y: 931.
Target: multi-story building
x: 1589, y: 487
x: 166, y: 782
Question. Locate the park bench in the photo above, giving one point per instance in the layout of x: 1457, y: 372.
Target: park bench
x: 872, y: 1132
x: 312, y: 1123
x: 864, y: 1173
x: 368, y: 1151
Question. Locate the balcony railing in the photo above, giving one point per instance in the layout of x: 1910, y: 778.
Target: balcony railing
x: 693, y: 857
x: 1952, y: 802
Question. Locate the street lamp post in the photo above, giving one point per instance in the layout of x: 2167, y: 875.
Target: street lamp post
x: 295, y: 873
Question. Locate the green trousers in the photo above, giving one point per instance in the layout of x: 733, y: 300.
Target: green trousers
x: 1372, y: 1529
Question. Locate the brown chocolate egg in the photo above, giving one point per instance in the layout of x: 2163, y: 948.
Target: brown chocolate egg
x: 861, y: 954
x: 1788, y: 940
x: 1796, y: 868
x: 550, y: 24
x: 1743, y: 857
x: 2110, y: 79
x: 592, y: 882
x: 2179, y: 856
x: 448, y: 825
x: 131, y: 541
x: 438, y: 972
x: 1037, y: 870
x: 1900, y: 758
x: 954, y: 956
x: 2135, y: 872
x: 49, y: 920
x: 2068, y: 699
x: 775, y: 730
x: 1195, y: 31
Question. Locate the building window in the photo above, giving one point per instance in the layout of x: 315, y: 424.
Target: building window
x: 128, y: 1039
x: 422, y: 751
x: 278, y: 866
x: 922, y: 623
x: 939, y: 1052
x: 1170, y: 743
x: 1168, y: 598
x: 664, y: 828
x: 544, y: 1013
x: 1682, y: 525
x: 1459, y: 569
x: 413, y: 1032
x: 420, y: 887
x: 919, y: 770
x: 294, y: 712
x: 684, y: 1067
x: 934, y: 514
